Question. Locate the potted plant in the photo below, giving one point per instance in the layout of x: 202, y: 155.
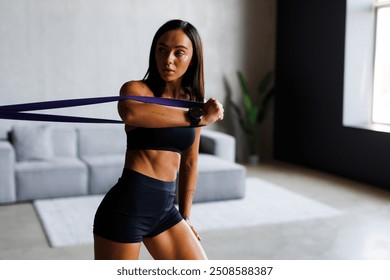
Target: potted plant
x: 254, y: 110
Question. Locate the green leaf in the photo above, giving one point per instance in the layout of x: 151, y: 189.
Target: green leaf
x: 269, y: 97
x: 239, y: 114
x: 255, y: 107
x: 252, y: 115
x: 245, y: 92
x: 243, y: 83
x: 265, y: 83
x: 247, y: 103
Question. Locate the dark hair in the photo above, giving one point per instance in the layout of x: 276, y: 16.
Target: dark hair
x: 193, y: 79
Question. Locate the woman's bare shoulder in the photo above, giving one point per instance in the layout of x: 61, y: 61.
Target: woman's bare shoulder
x: 138, y: 88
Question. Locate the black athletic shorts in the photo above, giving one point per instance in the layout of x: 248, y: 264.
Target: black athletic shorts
x: 137, y: 206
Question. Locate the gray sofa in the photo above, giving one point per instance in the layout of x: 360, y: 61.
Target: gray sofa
x: 49, y: 161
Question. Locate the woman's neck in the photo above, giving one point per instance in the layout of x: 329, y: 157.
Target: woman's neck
x: 173, y: 90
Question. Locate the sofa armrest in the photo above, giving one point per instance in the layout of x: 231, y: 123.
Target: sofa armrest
x: 218, y: 143
x: 7, y: 173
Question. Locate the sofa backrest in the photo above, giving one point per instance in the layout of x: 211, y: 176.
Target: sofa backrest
x: 102, y: 139
x: 43, y: 141
x: 64, y: 141
x: 4, y: 133
x: 218, y: 143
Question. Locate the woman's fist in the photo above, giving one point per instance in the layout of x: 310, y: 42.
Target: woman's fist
x: 212, y: 111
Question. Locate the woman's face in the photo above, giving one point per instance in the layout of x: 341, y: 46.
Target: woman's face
x: 173, y: 54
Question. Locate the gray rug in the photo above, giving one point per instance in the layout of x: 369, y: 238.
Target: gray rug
x: 68, y: 221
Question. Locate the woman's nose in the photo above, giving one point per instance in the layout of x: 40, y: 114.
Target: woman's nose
x: 169, y: 59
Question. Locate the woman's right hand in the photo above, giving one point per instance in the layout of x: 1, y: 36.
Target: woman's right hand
x: 212, y: 112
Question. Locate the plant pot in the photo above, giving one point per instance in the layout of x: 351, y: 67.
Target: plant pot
x: 253, y: 159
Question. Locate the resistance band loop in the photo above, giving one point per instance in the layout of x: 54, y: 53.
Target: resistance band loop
x: 16, y: 112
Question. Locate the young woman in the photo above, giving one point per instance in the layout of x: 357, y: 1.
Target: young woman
x: 161, y: 143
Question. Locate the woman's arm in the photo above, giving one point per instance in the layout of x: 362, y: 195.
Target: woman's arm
x: 140, y: 114
x: 135, y: 113
x: 188, y: 177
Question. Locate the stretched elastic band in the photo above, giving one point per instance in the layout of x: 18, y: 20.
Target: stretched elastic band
x: 52, y: 118
x: 15, y: 111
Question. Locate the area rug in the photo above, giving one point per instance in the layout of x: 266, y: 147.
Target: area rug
x: 68, y: 221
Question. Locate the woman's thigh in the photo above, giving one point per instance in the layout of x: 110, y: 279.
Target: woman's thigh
x: 110, y: 250
x: 176, y: 243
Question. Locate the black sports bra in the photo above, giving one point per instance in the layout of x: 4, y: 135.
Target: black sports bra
x: 175, y: 139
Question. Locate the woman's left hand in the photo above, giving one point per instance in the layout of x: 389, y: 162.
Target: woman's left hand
x: 193, y: 229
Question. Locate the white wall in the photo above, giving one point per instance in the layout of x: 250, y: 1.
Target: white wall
x: 56, y: 49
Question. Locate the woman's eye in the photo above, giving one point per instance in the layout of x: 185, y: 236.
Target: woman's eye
x: 180, y: 53
x: 161, y: 50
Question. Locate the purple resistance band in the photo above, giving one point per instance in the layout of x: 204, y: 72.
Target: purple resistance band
x: 16, y: 112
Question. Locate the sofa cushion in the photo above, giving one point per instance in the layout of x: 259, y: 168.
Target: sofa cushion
x: 219, y: 179
x: 32, y: 142
x: 103, y: 171
x: 4, y: 131
x: 218, y: 143
x: 55, y: 178
x: 64, y: 141
x: 102, y: 140
x: 7, y: 170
